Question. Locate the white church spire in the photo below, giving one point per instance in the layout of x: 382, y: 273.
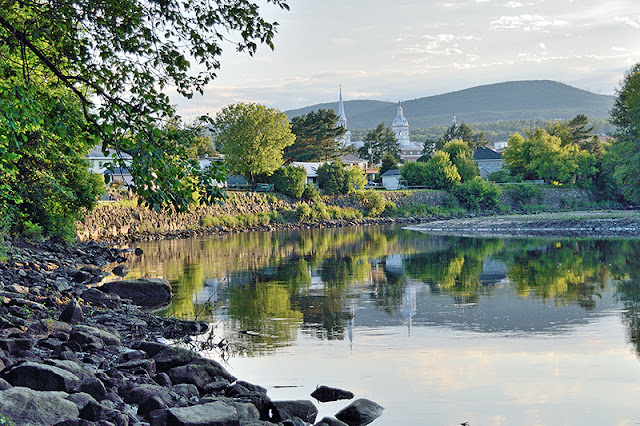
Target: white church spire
x: 342, y: 117
x: 342, y: 121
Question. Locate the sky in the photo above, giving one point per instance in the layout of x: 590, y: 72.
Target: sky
x: 407, y: 49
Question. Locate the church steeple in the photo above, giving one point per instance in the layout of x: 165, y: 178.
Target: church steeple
x: 342, y: 117
x: 453, y: 120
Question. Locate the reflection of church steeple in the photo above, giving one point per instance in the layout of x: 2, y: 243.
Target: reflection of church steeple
x: 409, y: 305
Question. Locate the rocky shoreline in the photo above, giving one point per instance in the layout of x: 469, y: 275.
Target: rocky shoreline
x: 604, y: 224
x: 73, y: 352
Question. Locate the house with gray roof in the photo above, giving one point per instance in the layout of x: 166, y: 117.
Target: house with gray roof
x: 488, y: 160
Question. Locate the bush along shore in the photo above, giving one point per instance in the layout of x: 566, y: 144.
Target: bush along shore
x: 77, y: 352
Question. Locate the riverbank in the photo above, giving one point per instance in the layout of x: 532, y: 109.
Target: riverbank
x: 248, y: 211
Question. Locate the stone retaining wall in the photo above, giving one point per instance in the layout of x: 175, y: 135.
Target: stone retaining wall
x: 114, y: 221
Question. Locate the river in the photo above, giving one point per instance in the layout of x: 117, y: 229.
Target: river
x: 438, y: 330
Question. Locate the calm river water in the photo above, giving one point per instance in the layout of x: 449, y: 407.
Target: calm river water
x: 439, y: 330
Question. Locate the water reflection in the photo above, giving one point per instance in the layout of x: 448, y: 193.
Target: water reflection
x: 271, y: 286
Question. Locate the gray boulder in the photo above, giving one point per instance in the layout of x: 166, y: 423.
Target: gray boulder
x: 42, y: 377
x: 72, y: 313
x: 145, y: 292
x: 360, y: 412
x: 302, y: 409
x: 171, y: 357
x: 99, y: 298
x: 93, y: 338
x: 27, y: 407
x: 193, y: 374
x: 327, y: 394
x: 211, y: 414
x: 215, y: 369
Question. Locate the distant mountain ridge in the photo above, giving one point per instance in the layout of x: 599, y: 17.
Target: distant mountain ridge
x: 512, y: 100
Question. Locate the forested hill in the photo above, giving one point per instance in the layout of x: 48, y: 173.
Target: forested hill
x: 514, y: 100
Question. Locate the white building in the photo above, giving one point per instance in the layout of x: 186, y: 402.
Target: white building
x: 409, y: 151
x: 391, y: 179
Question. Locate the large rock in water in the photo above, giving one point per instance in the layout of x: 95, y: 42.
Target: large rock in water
x: 326, y: 394
x: 27, y: 407
x: 360, y: 412
x: 145, y: 292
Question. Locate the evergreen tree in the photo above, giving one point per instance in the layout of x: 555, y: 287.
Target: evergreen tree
x: 317, y: 137
x: 379, y: 142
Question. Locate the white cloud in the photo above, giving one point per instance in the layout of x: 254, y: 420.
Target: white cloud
x: 631, y: 22
x: 526, y: 22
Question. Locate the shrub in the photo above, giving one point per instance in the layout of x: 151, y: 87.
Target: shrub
x: 303, y: 211
x: 289, y: 180
x: 503, y: 176
x: 355, y: 179
x: 477, y: 194
x: 320, y: 212
x: 525, y: 193
x: 373, y: 201
x: 310, y: 193
x: 332, y: 178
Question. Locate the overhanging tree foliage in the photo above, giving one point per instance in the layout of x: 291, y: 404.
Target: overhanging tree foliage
x: 117, y: 59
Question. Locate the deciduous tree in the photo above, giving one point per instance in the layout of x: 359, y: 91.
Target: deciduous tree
x: 460, y: 155
x: 625, y: 115
x: 253, y: 138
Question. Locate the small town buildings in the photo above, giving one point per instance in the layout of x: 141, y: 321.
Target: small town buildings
x: 311, y: 168
x: 391, y: 179
x: 488, y: 160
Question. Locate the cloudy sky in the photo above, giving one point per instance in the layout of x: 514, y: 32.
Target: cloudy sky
x: 407, y: 49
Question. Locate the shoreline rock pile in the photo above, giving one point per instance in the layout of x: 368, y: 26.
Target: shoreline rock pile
x: 76, y: 354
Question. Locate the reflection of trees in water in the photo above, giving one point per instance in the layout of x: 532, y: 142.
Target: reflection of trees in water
x: 278, y: 283
x: 627, y: 270
x: 568, y: 271
x: 455, y: 270
x: 264, y: 314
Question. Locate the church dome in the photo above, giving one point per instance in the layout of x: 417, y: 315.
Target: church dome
x: 400, y: 120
